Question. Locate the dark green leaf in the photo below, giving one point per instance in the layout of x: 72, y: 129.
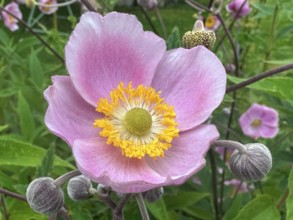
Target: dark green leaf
x: 158, y: 209
x: 26, y: 121
x: 36, y: 70
x: 183, y: 199
x: 47, y: 162
x: 260, y: 208
x: 174, y: 40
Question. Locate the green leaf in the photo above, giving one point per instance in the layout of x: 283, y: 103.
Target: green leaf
x: 21, y: 210
x: 36, y: 70
x: 26, y: 121
x: 4, y: 93
x: 18, y: 153
x: 158, y: 209
x: 183, y: 199
x: 47, y: 162
x: 174, y: 40
x: 289, y: 201
x: 260, y: 208
x: 4, y: 39
x: 280, y: 87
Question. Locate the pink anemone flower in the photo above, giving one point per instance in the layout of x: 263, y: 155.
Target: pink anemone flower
x: 48, y: 7
x: 131, y: 111
x: 237, y: 185
x: 260, y: 121
x: 212, y: 23
x: 234, y: 6
x: 9, y: 21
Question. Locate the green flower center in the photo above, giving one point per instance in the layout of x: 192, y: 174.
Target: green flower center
x: 256, y: 123
x: 138, y: 121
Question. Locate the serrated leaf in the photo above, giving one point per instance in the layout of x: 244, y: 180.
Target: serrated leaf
x: 26, y: 121
x: 183, y: 199
x: 174, y: 40
x: 36, y: 70
x: 18, y: 153
x: 47, y: 163
x: 260, y: 208
x: 289, y: 201
x: 158, y: 209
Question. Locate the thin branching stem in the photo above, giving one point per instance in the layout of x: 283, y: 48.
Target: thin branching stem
x: 88, y: 5
x: 161, y: 22
x: 259, y: 77
x: 283, y: 198
x: 12, y: 194
x: 35, y: 34
x: 149, y: 20
x: 236, y: 56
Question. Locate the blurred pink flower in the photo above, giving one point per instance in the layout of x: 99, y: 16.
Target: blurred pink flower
x: 47, y: 6
x: 234, y: 6
x: 221, y: 150
x: 148, y: 4
x: 260, y: 121
x: 212, y: 23
x: 235, y: 183
x: 10, y: 22
x: 124, y: 133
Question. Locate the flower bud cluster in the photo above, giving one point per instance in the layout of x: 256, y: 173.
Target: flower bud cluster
x: 199, y: 36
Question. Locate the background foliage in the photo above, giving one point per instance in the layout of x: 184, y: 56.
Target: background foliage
x: 28, y: 150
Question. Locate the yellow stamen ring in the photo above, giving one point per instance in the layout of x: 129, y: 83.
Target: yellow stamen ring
x: 138, y: 121
x: 256, y: 123
x: 210, y: 21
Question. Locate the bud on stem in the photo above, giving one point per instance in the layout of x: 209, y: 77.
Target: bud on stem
x: 250, y: 162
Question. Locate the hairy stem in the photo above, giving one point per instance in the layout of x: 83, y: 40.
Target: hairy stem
x: 232, y: 144
x: 142, y: 208
x: 65, y: 177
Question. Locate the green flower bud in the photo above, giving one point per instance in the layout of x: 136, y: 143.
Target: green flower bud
x: 199, y: 36
x: 78, y: 188
x: 103, y: 190
x: 252, y: 164
x: 44, y: 196
x: 153, y: 195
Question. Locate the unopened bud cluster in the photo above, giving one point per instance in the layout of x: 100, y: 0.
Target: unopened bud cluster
x: 199, y: 36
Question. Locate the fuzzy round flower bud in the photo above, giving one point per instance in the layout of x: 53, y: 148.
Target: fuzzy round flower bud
x: 252, y: 164
x: 78, y: 188
x: 44, y: 196
x: 154, y: 194
x: 199, y: 36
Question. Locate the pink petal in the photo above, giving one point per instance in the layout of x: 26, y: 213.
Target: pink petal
x: 270, y: 117
x: 193, y: 81
x: 186, y: 156
x: 104, y: 51
x: 105, y: 164
x: 68, y: 115
x: 268, y: 131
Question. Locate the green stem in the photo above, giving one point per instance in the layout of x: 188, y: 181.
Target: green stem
x: 283, y: 198
x: 271, y: 37
x: 142, y: 208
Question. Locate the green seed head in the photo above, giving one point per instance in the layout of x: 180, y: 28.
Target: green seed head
x: 138, y: 121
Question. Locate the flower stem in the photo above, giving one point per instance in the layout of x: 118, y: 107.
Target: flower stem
x: 149, y: 20
x: 55, y: 5
x: 12, y: 194
x: 161, y: 22
x: 118, y: 211
x: 88, y: 5
x: 283, y: 198
x: 259, y: 77
x: 142, y: 208
x: 236, y: 56
x: 233, y: 144
x: 214, y: 183
x: 35, y: 34
x: 65, y: 177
